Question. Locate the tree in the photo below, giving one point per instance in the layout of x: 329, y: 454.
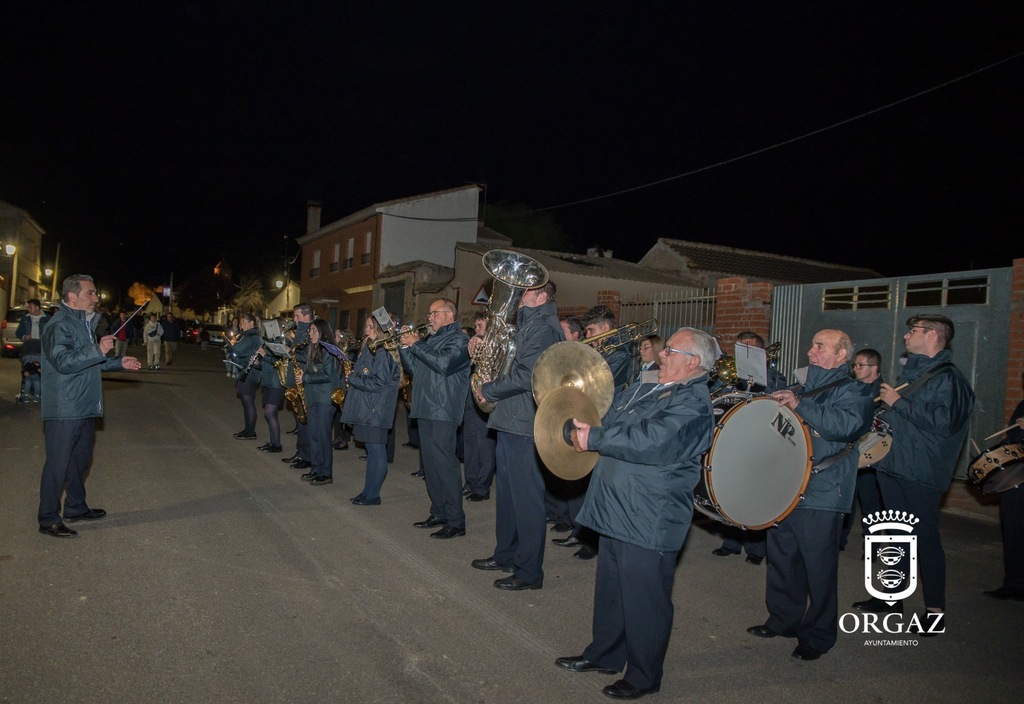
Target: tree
x: 140, y: 293
x: 205, y: 293
x: 249, y: 298
x: 526, y: 227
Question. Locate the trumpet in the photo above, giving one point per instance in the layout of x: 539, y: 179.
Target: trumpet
x: 392, y: 341
x: 621, y: 336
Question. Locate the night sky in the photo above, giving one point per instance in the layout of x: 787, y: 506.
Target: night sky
x: 151, y: 137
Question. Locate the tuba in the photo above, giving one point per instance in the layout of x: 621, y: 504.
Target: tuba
x: 514, y: 274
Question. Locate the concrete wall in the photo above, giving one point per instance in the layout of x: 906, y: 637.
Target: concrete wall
x: 428, y: 229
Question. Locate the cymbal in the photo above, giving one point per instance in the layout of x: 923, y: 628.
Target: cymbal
x: 551, y: 428
x: 577, y: 365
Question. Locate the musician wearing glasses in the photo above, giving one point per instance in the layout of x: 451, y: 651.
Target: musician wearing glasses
x: 439, y: 367
x: 803, y: 550
x: 640, y: 502
x: 242, y: 350
x: 867, y: 367
x: 750, y: 541
x: 929, y: 421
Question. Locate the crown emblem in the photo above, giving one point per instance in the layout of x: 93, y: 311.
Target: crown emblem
x: 891, y: 520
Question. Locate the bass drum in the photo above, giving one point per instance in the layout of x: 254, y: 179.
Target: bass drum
x: 758, y: 465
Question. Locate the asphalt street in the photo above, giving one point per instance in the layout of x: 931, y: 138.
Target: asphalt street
x: 219, y: 576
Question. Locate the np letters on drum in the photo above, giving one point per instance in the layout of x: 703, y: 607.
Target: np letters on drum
x: 784, y: 428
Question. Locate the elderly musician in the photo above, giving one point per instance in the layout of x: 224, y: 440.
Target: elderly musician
x: 803, y: 550
x: 440, y: 370
x: 640, y: 501
x: 929, y: 415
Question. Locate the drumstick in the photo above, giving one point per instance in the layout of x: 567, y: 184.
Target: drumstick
x: 1001, y: 432
x: 901, y: 386
x: 977, y: 450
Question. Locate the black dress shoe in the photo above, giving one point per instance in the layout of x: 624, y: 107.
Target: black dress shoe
x: 477, y: 497
x: 269, y: 448
x: 410, y: 444
x: 93, y: 514
x: 570, y: 542
x: 621, y: 689
x: 357, y: 497
x: 429, y: 523
x: 320, y: 480
x: 302, y: 464
x: 877, y: 606
x: 585, y: 553
x: 561, y: 527
x: 293, y: 458
x: 581, y: 664
x: 1004, y: 593
x: 755, y: 559
x: 417, y: 473
x: 514, y: 584
x: 448, y: 532
x: 308, y: 477
x: 340, y: 446
x: 58, y: 530
x: 293, y: 431
x: 489, y: 564
x: 242, y: 435
x: 724, y: 552
x: 806, y: 652
x: 762, y: 631
x: 360, y: 501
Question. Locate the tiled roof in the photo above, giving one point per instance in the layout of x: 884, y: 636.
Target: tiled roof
x: 762, y: 266
x: 566, y: 263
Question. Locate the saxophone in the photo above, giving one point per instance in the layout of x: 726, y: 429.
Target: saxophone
x: 338, y: 396
x: 296, y: 395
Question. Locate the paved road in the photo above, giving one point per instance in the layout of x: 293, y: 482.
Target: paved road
x: 219, y: 576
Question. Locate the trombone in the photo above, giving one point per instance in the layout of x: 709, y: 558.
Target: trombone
x: 392, y: 341
x: 621, y: 336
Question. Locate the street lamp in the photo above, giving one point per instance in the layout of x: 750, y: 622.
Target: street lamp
x: 10, y: 274
x: 279, y: 284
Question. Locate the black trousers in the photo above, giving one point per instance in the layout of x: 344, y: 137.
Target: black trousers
x: 443, y: 473
x: 519, y: 523
x: 902, y: 495
x: 803, y: 575
x: 69, y: 446
x: 1011, y: 505
x: 480, y: 447
x: 633, y: 611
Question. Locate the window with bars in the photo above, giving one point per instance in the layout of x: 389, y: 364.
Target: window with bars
x: 857, y: 297
x: 971, y: 290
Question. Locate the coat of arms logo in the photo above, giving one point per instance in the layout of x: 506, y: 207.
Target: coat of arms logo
x: 890, y: 555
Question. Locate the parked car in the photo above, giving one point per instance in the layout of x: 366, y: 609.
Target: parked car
x: 218, y: 334
x: 11, y: 345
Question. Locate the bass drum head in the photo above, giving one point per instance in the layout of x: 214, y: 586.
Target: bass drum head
x: 759, y: 463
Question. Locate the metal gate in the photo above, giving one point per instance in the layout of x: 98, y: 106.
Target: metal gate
x: 874, y: 313
x: 687, y: 307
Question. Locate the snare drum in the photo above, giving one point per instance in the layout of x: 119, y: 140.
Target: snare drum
x: 758, y: 465
x: 874, y: 444
x: 998, y: 469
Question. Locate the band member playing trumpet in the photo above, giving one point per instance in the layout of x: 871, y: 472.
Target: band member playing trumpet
x: 370, y: 408
x: 640, y: 502
x: 440, y: 369
x: 803, y: 550
x: 520, y: 521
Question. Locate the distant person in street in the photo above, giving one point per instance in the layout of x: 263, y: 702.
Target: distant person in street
x: 30, y: 330
x: 151, y: 333
x: 170, y: 337
x: 122, y: 336
x: 72, y: 363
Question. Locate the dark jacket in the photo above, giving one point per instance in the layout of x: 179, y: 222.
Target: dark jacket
x: 72, y: 365
x: 620, y: 362
x: 537, y: 330
x: 641, y: 491
x: 243, y: 350
x: 372, y: 390
x: 929, y: 424
x: 172, y: 330
x: 320, y: 377
x: 836, y: 417
x: 440, y: 374
x: 31, y: 348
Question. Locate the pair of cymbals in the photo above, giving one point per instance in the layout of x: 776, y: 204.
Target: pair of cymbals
x: 576, y: 365
x: 552, y: 432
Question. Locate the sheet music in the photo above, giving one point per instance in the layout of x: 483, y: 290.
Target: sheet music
x: 751, y: 363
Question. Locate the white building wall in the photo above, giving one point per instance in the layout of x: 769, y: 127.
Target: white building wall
x: 429, y: 228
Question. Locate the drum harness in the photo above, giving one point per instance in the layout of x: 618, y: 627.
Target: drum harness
x: 914, y: 385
